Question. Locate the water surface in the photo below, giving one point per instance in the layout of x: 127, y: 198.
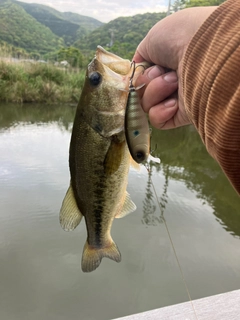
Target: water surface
x: 40, y: 272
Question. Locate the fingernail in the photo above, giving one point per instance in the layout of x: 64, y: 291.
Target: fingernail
x: 155, y: 72
x: 171, y: 77
x: 170, y: 103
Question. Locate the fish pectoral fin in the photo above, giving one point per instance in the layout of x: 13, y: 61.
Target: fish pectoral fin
x: 69, y: 216
x: 128, y: 207
x: 92, y: 257
x: 113, y: 157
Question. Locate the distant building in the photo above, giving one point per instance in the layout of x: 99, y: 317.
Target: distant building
x: 64, y: 63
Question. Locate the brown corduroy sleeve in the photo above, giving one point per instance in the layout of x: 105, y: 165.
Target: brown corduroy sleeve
x: 211, y: 86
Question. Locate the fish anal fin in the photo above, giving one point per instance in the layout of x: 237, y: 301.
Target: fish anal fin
x: 92, y: 257
x: 113, y: 157
x: 70, y: 216
x: 128, y: 207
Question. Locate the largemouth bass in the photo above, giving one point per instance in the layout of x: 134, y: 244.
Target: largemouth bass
x: 99, y: 158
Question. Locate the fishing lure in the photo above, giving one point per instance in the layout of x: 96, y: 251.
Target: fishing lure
x: 136, y: 124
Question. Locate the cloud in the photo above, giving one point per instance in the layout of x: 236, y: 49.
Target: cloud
x: 104, y: 10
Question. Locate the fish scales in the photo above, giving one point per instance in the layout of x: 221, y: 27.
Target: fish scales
x: 99, y: 159
x: 96, y: 189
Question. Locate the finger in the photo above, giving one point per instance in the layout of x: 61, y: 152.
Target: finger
x: 146, y: 77
x: 159, y: 89
x: 162, y: 115
x: 137, y: 57
x: 149, y: 74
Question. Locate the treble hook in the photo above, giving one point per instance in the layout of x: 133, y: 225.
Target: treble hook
x: 133, y: 63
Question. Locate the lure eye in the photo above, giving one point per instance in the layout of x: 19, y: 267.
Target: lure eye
x: 95, y: 79
x: 140, y: 156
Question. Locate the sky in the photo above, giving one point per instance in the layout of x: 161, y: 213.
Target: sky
x: 105, y: 10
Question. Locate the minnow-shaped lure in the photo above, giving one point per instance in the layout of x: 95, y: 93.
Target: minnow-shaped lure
x: 136, y: 124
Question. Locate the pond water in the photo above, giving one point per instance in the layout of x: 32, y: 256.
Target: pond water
x: 40, y: 264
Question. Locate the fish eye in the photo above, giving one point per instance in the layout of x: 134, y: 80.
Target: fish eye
x: 95, y: 79
x: 140, y: 156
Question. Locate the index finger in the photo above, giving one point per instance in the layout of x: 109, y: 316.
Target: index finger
x: 138, y: 58
x: 146, y: 77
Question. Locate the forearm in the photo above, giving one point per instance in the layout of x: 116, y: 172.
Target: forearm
x: 211, y: 86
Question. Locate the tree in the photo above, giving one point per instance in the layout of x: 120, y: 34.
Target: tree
x: 72, y: 55
x: 201, y: 3
x: 177, y: 5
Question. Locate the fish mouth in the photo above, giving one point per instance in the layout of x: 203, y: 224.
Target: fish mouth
x: 108, y: 81
x: 112, y: 61
x: 117, y: 70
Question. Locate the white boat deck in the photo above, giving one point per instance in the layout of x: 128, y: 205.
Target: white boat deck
x: 225, y: 306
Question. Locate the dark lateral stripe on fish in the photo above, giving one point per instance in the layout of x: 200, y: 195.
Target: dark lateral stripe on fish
x: 98, y: 226
x: 98, y: 209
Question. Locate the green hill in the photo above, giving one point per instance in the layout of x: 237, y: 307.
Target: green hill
x: 42, y: 29
x: 39, y: 28
x: 67, y: 25
x: 20, y: 29
x: 88, y: 23
x: 122, y: 34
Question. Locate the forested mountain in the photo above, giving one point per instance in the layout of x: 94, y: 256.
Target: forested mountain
x: 67, y: 25
x: 22, y: 30
x: 39, y: 28
x: 122, y: 34
x: 43, y: 30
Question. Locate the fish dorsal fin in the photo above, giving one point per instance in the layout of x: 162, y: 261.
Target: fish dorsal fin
x: 128, y: 207
x: 70, y: 216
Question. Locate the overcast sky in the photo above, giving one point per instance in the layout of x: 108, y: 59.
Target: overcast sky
x: 105, y: 10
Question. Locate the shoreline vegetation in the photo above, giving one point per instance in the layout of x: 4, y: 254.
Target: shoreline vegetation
x: 28, y: 81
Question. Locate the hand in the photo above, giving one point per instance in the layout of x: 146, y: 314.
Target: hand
x: 165, y: 46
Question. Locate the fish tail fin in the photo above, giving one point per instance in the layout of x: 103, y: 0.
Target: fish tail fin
x: 92, y: 257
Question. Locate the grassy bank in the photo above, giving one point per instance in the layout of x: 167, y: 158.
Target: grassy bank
x: 39, y: 82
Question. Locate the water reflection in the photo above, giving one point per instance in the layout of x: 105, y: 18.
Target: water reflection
x: 13, y: 114
x: 40, y: 263
x: 151, y: 216
x: 149, y: 208
x: 186, y: 159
